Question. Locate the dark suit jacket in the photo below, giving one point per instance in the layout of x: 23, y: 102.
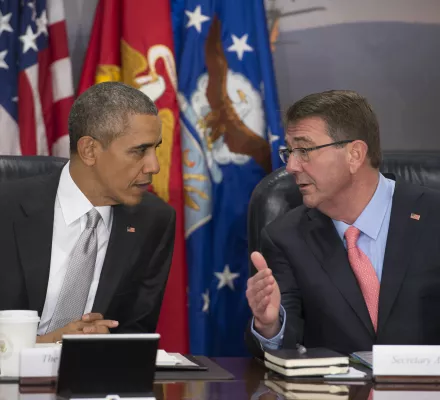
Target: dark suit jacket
x: 323, y: 302
x: 136, y: 265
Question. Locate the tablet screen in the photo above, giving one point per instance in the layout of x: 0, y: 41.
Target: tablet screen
x: 99, y: 365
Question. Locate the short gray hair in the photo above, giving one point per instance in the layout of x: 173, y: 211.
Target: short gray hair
x: 102, y: 112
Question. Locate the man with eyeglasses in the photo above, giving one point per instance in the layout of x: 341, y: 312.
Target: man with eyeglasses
x: 359, y: 262
x: 87, y: 246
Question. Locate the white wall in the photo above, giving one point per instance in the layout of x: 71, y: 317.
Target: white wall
x: 388, y: 50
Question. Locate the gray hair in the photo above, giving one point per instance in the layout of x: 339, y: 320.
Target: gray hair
x: 102, y: 112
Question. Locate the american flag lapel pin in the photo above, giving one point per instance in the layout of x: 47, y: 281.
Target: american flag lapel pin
x: 415, y: 216
x: 131, y: 229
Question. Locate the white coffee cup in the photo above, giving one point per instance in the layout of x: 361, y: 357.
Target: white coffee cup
x: 18, y: 330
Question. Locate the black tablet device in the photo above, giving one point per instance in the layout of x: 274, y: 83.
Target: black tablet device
x: 101, y: 365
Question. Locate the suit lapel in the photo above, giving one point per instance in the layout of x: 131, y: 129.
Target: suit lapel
x: 324, y: 242
x: 33, y: 231
x: 403, y: 234
x: 118, y: 255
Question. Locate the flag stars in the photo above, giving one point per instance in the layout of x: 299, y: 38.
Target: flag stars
x: 226, y: 278
x: 196, y: 18
x: 205, y: 297
x: 42, y: 24
x: 34, y: 12
x: 2, y: 59
x: 240, y: 45
x: 4, y: 23
x: 28, y: 40
x: 272, y: 138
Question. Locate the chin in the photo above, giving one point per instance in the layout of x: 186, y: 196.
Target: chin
x: 310, y: 202
x: 131, y: 201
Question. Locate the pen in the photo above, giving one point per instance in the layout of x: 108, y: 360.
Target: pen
x: 301, y: 349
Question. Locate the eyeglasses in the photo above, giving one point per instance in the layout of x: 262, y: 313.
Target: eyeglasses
x: 302, y: 153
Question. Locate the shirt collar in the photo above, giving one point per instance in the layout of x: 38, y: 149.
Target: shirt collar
x: 371, y: 219
x: 74, y: 204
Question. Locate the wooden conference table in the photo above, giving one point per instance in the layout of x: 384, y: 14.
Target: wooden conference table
x: 249, y: 383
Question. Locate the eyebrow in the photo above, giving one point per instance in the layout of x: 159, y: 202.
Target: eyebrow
x: 145, y: 146
x: 304, y: 139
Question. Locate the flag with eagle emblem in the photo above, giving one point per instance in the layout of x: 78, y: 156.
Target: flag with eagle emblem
x: 231, y: 132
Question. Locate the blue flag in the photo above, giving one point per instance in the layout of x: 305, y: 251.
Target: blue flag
x: 231, y: 132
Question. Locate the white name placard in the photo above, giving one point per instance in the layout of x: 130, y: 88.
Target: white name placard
x: 40, y: 362
x: 394, y: 360
x: 404, y: 395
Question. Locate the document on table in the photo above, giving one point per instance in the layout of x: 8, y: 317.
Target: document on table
x: 364, y: 357
x: 164, y: 359
x: 352, y: 373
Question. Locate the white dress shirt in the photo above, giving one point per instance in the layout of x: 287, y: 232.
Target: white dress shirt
x: 71, y: 207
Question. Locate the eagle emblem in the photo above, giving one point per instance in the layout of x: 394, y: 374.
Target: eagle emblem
x: 224, y: 123
x: 236, y: 115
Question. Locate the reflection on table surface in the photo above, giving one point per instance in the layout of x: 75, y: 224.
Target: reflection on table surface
x: 253, y: 382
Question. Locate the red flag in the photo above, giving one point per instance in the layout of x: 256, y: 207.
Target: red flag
x: 132, y: 42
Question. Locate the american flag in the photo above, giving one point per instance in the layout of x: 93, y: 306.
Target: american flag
x: 36, y: 89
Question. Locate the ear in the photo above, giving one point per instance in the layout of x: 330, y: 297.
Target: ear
x: 87, y: 149
x: 357, y: 155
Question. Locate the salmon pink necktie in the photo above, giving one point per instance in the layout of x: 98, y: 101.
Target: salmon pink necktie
x: 364, y: 272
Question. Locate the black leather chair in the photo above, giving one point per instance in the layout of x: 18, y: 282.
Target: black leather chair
x: 277, y: 193
x: 16, y: 167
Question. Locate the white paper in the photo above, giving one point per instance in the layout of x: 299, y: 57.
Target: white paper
x: 163, y: 358
x: 352, y: 373
x: 183, y: 360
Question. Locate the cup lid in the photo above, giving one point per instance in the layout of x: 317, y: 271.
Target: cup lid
x: 19, y: 316
x: 18, y: 313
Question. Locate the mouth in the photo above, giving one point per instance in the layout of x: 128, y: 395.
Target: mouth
x: 142, y: 186
x: 304, y: 186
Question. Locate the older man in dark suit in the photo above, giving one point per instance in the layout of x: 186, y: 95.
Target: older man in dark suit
x: 359, y: 263
x: 88, y: 247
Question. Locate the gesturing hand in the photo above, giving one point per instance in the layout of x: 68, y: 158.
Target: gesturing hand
x: 264, y: 298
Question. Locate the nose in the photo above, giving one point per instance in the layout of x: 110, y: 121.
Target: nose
x: 151, y: 164
x: 293, y: 165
